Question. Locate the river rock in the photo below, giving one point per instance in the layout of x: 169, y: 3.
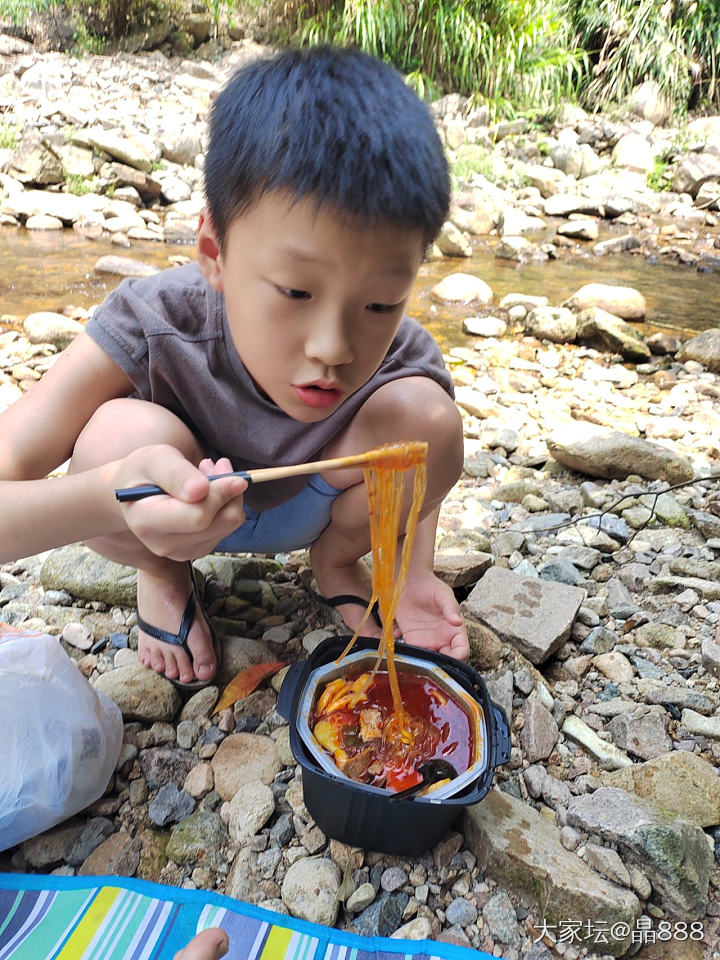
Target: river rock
x: 461, y: 288
x: 556, y: 324
x: 615, y: 245
x: 601, y: 452
x: 599, y: 328
x: 484, y: 326
x: 705, y: 348
x: 563, y: 204
x: 54, y: 328
x: 704, y: 726
x: 540, y: 731
x: 523, y: 851
x: 520, y: 249
x: 673, y: 853
x: 679, y: 782
x: 35, y: 161
x: 170, y: 805
x: 452, y: 242
x: 634, y: 152
x: 243, y: 880
x: 568, y: 158
x: 181, y: 143
x: 124, y: 267
x: 648, y: 102
x: 642, y: 733
x: 624, y: 302
x: 43, y: 222
x: 118, y: 856
x: 130, y: 146
x: 383, y: 916
x: 548, y: 180
x: 243, y: 758
x: 85, y: 574
x: 694, y: 170
x: 710, y: 652
x: 140, y: 693
x: 197, y: 840
x: 531, y: 614
x: 310, y: 890
x: 606, y: 754
x: 65, y: 206
x: 579, y: 229
x: 250, y: 809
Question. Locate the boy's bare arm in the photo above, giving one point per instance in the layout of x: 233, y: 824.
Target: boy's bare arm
x: 38, y: 433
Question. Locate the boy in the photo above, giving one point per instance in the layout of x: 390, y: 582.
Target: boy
x: 325, y: 181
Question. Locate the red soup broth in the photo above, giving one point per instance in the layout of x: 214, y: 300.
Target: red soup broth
x: 441, y: 728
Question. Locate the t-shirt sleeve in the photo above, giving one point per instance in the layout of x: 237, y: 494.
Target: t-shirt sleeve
x: 138, y: 322
x: 119, y: 326
x: 414, y: 352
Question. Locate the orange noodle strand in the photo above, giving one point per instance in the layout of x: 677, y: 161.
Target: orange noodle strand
x: 385, y: 484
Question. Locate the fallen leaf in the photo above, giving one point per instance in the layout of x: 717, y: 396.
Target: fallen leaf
x: 243, y: 683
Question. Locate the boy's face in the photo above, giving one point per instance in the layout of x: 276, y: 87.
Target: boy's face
x: 313, y: 302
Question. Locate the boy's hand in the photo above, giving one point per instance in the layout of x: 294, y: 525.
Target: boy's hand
x: 195, y: 514
x: 429, y: 616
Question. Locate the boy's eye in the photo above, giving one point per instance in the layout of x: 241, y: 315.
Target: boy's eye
x: 294, y: 294
x: 382, y: 307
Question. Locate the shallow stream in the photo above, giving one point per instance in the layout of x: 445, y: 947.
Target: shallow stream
x: 53, y: 270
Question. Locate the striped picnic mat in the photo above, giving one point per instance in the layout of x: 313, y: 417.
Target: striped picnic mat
x: 114, y: 918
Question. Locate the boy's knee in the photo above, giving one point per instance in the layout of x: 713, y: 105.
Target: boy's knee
x: 417, y: 408
x: 122, y: 425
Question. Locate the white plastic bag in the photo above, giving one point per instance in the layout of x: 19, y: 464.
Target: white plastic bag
x: 59, y: 739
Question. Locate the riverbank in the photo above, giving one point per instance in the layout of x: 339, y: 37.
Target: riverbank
x: 606, y: 824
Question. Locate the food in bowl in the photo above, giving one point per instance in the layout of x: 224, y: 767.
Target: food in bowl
x: 354, y: 719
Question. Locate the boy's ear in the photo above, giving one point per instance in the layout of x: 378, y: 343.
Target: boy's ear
x: 208, y: 251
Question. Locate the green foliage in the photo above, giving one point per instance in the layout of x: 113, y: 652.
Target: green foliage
x: 676, y: 43
x: 77, y: 184
x: 20, y: 11
x: 512, y: 51
x: 660, y: 177
x: 9, y: 136
x: 111, y: 19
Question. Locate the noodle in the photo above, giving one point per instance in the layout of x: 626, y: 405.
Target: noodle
x: 385, y: 485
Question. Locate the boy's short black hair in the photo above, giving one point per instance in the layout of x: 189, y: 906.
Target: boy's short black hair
x: 332, y: 124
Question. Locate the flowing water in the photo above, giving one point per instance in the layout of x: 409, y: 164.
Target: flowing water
x: 55, y: 269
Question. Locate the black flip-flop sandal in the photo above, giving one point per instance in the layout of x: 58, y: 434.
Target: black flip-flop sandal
x: 179, y: 639
x: 342, y: 598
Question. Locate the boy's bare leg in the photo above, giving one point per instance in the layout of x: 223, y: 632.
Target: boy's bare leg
x: 163, y: 585
x: 413, y: 408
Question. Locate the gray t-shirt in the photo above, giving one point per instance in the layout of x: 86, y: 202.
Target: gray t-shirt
x: 169, y: 333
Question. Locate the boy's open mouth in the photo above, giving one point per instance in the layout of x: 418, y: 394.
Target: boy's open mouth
x: 318, y: 394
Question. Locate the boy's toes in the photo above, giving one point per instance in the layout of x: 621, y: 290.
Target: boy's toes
x: 205, y: 670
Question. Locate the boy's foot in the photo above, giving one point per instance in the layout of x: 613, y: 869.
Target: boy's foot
x: 354, y: 580
x: 162, y: 602
x: 211, y: 944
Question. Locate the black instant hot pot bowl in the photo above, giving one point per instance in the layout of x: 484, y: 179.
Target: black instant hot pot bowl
x: 364, y: 817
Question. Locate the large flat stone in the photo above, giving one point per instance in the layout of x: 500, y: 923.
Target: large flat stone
x: 521, y: 850
x: 531, y: 614
x: 602, y: 452
x: 673, y: 853
x: 679, y: 782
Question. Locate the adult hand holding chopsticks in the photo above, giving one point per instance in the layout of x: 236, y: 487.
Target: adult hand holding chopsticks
x: 193, y: 515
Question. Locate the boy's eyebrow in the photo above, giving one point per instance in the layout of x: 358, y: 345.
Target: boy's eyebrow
x: 294, y: 253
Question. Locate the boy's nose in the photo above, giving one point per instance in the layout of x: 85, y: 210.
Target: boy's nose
x: 329, y: 343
